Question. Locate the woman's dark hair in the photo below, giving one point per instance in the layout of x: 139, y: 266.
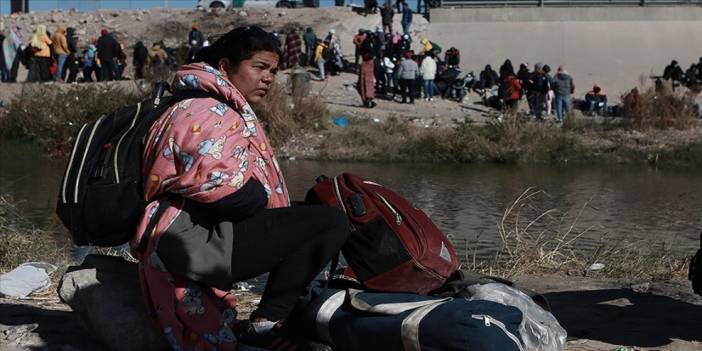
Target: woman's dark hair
x: 238, y: 45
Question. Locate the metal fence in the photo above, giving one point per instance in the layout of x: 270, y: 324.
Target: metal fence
x: 565, y: 3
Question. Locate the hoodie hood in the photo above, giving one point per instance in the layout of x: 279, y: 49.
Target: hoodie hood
x: 203, y: 77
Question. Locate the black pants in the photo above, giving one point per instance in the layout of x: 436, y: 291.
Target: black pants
x: 107, y: 70
x: 407, y: 86
x: 293, y: 244
x: 39, y: 69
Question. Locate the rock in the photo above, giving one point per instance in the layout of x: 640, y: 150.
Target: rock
x: 138, y: 19
x: 56, y: 17
x: 104, y: 292
x: 243, y: 13
x: 281, y: 14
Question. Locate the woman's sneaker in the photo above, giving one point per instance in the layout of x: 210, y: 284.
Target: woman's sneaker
x: 275, y: 339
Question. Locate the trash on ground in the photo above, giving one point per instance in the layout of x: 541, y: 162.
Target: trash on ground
x: 26, y: 279
x: 341, y: 121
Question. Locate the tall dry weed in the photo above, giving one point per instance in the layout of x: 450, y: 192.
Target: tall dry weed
x: 659, y: 108
x: 285, y: 116
x: 537, y: 241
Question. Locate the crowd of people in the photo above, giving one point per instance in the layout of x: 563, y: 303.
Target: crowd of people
x: 65, y: 57
x: 690, y: 78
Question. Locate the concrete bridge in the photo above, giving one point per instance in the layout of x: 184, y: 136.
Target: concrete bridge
x: 614, y: 46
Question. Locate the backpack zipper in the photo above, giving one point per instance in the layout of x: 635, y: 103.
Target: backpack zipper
x: 70, y: 163
x: 398, y: 218
x: 337, y: 192
x: 85, y: 154
x: 136, y: 115
x: 489, y: 321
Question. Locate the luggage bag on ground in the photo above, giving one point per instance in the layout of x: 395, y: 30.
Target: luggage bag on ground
x: 394, y: 246
x: 351, y: 320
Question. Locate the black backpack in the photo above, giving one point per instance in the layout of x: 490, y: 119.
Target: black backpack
x: 101, y: 197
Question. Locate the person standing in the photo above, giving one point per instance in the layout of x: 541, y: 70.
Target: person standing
x: 195, y: 40
x: 292, y: 49
x: 107, y: 51
x: 310, y: 40
x: 539, y: 91
x: 60, y: 46
x: 386, y: 14
x: 408, y: 72
x: 564, y: 88
x: 365, y: 85
x: 11, y: 47
x: 4, y: 71
x: 550, y: 96
x: 72, y: 66
x: 320, y: 58
x: 358, y: 40
x: 406, y: 19
x: 139, y: 58
x: 428, y: 71
x: 40, y: 62
x: 90, y: 64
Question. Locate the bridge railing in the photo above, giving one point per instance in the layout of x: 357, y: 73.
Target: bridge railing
x: 565, y: 3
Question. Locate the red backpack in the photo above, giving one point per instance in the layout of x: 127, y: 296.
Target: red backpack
x: 393, y: 246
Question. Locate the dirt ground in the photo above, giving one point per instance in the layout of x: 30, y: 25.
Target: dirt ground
x: 599, y: 314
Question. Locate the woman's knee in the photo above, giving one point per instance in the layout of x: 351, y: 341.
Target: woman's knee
x: 336, y: 223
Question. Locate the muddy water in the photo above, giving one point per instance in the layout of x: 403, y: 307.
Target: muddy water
x: 611, y: 203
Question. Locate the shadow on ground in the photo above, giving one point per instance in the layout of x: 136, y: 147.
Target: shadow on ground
x: 54, y: 328
x: 625, y: 317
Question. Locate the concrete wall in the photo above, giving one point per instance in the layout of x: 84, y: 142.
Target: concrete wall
x: 612, y: 46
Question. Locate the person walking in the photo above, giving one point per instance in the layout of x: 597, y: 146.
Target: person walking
x: 11, y: 47
x: 428, y: 71
x: 564, y: 88
x: 408, y: 73
x: 310, y: 39
x: 61, y: 51
x: 40, y: 62
x: 107, y: 51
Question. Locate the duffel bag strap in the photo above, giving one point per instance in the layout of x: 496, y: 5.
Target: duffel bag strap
x: 162, y: 206
x: 389, y: 308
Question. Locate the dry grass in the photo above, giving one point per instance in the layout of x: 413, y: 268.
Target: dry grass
x: 660, y: 108
x: 513, y: 139
x: 534, y: 241
x: 21, y: 242
x: 285, y: 116
x: 52, y: 115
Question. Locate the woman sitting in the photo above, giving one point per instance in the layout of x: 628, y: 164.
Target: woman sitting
x: 221, y: 207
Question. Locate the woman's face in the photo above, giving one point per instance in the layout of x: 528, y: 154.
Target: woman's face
x: 255, y: 76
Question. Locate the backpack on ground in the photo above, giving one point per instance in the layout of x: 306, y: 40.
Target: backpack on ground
x: 394, y: 246
x: 101, y: 197
x: 354, y: 320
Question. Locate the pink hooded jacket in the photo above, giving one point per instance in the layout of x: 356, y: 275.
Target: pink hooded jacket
x: 203, y: 150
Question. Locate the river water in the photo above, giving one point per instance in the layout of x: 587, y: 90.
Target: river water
x: 613, y: 203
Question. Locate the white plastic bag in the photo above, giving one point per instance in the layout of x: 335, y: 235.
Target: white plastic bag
x: 540, y: 330
x: 26, y: 279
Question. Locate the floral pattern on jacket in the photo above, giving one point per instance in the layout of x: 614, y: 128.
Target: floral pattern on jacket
x: 204, y: 150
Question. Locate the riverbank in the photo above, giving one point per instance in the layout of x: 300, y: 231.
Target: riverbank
x: 428, y: 132
x: 642, y: 285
